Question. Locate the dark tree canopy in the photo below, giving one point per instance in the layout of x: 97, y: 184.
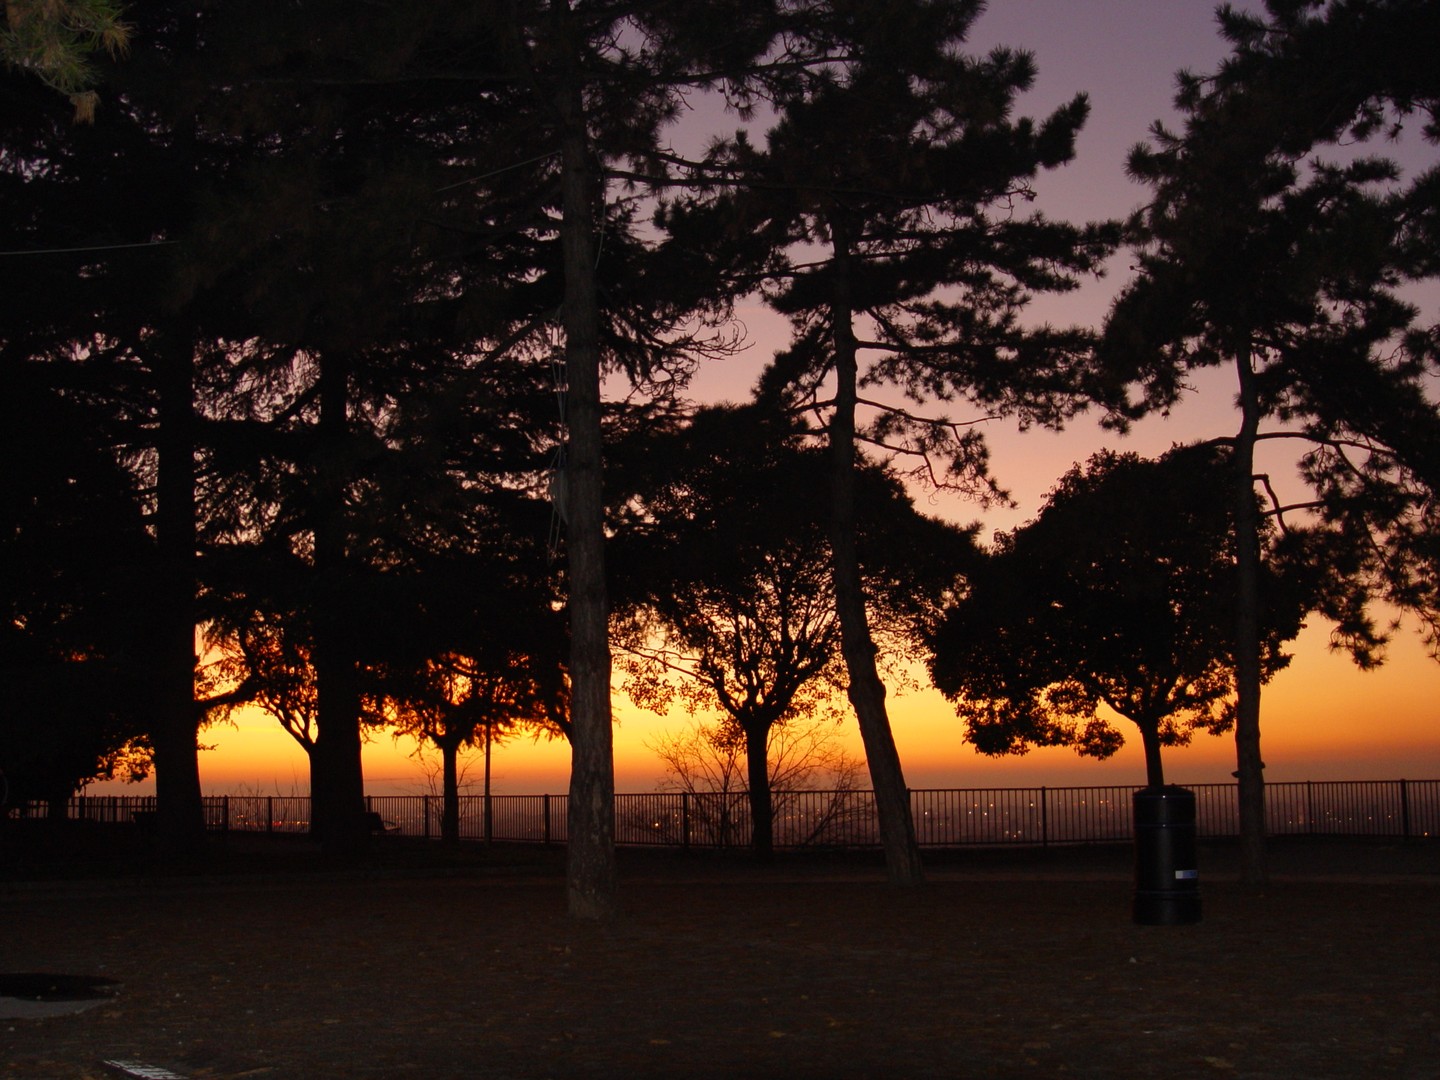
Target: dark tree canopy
x: 1120, y: 594
x: 76, y: 659
x: 732, y: 608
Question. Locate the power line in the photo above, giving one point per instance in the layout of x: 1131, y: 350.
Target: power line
x: 93, y: 247
x: 497, y: 172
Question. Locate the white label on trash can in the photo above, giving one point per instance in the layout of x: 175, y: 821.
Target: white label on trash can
x: 1186, y: 875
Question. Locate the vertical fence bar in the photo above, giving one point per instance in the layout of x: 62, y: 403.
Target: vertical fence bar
x: 1404, y: 809
x: 546, y: 811
x: 685, y: 820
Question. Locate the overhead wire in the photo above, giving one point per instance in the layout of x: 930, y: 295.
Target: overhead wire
x: 88, y: 247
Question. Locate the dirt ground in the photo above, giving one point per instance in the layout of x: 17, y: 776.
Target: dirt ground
x: 421, y: 963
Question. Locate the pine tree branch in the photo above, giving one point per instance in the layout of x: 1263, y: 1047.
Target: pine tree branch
x: 954, y: 426
x: 1277, y: 509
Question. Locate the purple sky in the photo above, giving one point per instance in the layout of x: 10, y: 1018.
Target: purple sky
x: 1124, y: 54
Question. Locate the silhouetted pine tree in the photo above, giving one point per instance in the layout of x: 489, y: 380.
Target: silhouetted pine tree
x: 603, y: 82
x: 1284, y: 269
x: 896, y: 173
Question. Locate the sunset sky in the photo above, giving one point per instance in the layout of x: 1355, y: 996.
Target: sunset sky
x: 1322, y: 719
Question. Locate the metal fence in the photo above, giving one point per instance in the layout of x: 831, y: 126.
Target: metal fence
x: 944, y: 817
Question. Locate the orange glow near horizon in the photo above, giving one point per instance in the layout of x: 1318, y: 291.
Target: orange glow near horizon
x: 1323, y: 720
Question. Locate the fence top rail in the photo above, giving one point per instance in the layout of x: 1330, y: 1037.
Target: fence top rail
x: 1078, y: 789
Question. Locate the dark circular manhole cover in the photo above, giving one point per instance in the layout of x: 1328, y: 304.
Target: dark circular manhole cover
x: 36, y: 994
x: 44, y: 986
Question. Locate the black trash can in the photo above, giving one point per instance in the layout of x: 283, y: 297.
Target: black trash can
x: 1167, y: 880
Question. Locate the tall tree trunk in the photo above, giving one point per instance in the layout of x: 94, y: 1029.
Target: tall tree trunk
x: 338, y: 785
x: 1250, y: 767
x: 762, y: 804
x: 590, y: 851
x: 450, y: 791
x: 179, y: 808
x: 489, y: 804
x: 866, y: 690
x: 1154, y: 767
